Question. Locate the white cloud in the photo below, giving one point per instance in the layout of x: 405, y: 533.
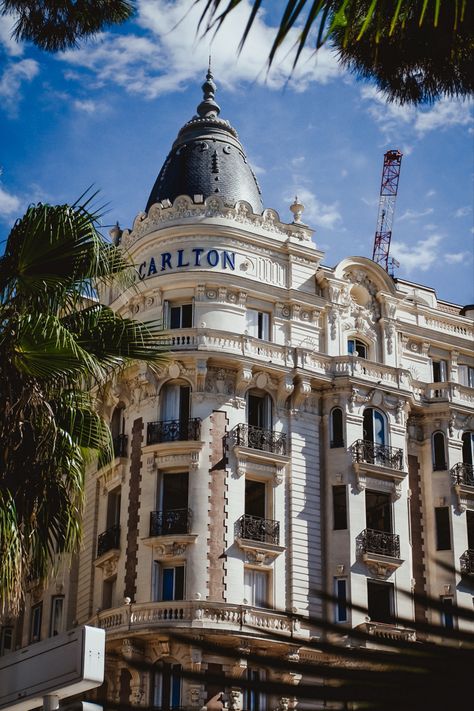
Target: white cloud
x: 421, y: 255
x: 14, y: 75
x: 414, y: 215
x: 463, y: 211
x: 393, y: 119
x: 171, y: 54
x: 316, y: 212
x: 9, y: 204
x: 9, y: 45
x: 88, y: 106
x: 430, y: 226
x: 430, y: 193
x: 458, y: 257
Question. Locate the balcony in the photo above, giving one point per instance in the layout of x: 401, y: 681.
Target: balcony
x: 463, y: 474
x: 170, y: 522
x: 467, y: 562
x: 120, y: 446
x: 254, y: 528
x: 258, y: 438
x: 377, y: 454
x: 379, y: 550
x: 108, y: 540
x: 188, y: 430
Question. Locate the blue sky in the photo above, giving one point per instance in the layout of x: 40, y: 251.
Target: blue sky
x: 107, y: 113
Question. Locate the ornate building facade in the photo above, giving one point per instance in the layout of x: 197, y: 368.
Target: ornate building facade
x: 313, y: 431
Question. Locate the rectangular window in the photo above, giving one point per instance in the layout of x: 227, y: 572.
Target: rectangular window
x: 380, y: 601
x: 466, y: 375
x: 339, y: 507
x: 258, y: 324
x: 378, y: 511
x: 470, y: 529
x: 108, y: 593
x: 180, y: 316
x: 340, y: 593
x: 447, y: 616
x: 56, y: 623
x: 256, y: 587
x: 443, y: 534
x: 113, y: 507
x: 440, y: 371
x: 166, y: 687
x: 6, y: 640
x: 254, y: 700
x: 172, y: 583
x: 35, y: 622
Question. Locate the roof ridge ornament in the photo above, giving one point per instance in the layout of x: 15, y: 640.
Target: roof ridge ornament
x: 208, y: 108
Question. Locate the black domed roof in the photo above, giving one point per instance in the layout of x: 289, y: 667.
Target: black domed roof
x: 207, y: 159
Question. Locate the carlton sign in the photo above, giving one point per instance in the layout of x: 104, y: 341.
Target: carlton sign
x: 187, y: 259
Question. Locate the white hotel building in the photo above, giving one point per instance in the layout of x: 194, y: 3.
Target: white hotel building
x: 314, y: 430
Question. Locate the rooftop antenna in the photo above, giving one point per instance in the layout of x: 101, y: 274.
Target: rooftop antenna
x: 388, y: 194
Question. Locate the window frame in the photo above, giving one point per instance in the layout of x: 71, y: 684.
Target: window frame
x: 342, y: 489
x: 261, y: 328
x: 168, y: 306
x: 6, y: 630
x: 158, y: 581
x: 468, y: 446
x: 438, y: 465
x: 36, y: 622
x: 54, y: 600
x: 443, y: 535
x: 355, y: 341
x: 253, y: 573
x: 335, y: 441
x: 383, y: 419
x: 341, y: 611
x: 390, y: 587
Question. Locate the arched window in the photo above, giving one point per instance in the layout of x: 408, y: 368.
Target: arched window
x: 336, y: 428
x: 375, y: 426
x: 117, y: 428
x: 357, y: 347
x: 468, y: 448
x: 439, y: 451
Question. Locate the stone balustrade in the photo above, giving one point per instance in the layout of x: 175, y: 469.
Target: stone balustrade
x: 195, y: 614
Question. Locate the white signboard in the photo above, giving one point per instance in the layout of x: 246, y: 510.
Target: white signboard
x: 67, y: 664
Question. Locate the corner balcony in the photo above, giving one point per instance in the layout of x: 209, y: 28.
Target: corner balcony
x: 259, y: 538
x: 170, y: 522
x: 120, y: 446
x: 170, y: 532
x: 108, y: 551
x: 257, y: 445
x: 379, y: 550
x: 146, y: 617
x: 183, y: 430
x: 462, y: 477
x: 174, y: 444
x: 379, y: 461
x: 108, y: 540
x: 467, y: 563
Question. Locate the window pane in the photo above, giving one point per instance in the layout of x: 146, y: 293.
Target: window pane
x: 167, y: 584
x: 339, y: 507
x: 467, y: 447
x: 252, y: 322
x: 438, y: 451
x: 175, y: 317
x: 186, y: 316
x: 443, y: 534
x: 380, y: 601
x: 337, y: 435
x: 341, y: 609
x: 378, y: 510
x: 179, y: 582
x: 56, y: 616
x: 351, y: 346
x: 379, y: 427
x: 447, y: 617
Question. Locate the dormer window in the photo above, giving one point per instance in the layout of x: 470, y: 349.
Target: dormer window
x: 357, y: 347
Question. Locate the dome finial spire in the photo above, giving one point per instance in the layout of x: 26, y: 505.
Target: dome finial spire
x: 208, y: 108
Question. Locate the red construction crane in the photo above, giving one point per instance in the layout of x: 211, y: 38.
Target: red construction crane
x: 388, y: 195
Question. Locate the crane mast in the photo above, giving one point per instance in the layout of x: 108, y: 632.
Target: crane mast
x: 388, y: 194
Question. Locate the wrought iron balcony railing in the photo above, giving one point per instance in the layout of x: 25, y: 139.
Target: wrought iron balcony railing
x: 108, y: 540
x: 183, y: 430
x: 169, y: 522
x: 258, y: 438
x: 364, y: 451
x: 120, y: 445
x: 467, y: 562
x: 463, y: 473
x: 380, y: 542
x: 254, y: 528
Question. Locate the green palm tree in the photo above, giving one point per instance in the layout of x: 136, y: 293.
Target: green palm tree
x: 415, y: 50
x: 58, y: 346
x: 58, y: 24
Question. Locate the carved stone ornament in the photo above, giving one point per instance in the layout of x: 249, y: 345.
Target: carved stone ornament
x: 170, y: 550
